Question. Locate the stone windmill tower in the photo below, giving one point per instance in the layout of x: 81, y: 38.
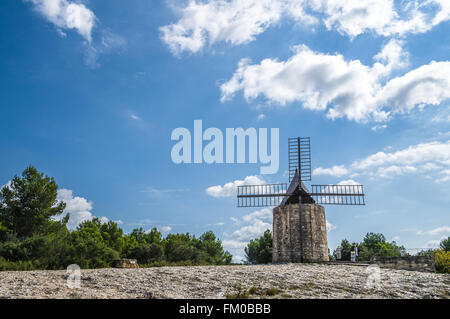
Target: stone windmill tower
x: 299, y: 224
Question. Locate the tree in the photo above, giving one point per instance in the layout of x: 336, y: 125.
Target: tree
x: 259, y: 250
x: 112, y: 235
x: 372, y: 240
x: 214, y: 249
x: 32, y: 238
x: 445, y: 244
x: 181, y: 247
x: 88, y: 248
x: 29, y: 202
x: 346, y: 248
x: 372, y: 245
x: 146, y: 253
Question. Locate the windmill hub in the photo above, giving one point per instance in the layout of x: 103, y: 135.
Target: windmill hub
x: 299, y: 224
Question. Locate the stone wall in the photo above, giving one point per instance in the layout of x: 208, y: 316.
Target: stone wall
x: 419, y: 263
x: 299, y: 237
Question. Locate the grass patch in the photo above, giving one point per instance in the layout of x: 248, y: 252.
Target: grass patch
x: 243, y: 293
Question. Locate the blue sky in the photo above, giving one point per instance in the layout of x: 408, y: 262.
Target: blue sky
x: 91, y: 91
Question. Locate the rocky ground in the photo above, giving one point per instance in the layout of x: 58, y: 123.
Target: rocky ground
x: 264, y: 281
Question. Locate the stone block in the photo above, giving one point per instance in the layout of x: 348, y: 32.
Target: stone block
x: 125, y: 263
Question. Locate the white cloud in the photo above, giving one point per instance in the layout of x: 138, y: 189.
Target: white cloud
x: 66, y: 14
x: 433, y: 243
x: 263, y: 214
x: 445, y: 176
x: 237, y: 22
x: 323, y: 82
x: 230, y: 189
x: 391, y: 57
x: 104, y: 219
x: 330, y: 226
x: 378, y: 127
x: 349, y: 182
x: 135, y: 117
x: 79, y: 208
x: 428, y: 84
x: 356, y: 16
x: 337, y: 171
x: 432, y: 157
x: 252, y: 231
x: 251, y: 226
x: 233, y: 244
x: 238, y: 259
x: 166, y: 229
x: 6, y: 185
x: 439, y: 230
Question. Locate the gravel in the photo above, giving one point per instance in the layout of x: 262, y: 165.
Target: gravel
x: 287, y: 280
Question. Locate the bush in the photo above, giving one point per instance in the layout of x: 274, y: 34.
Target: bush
x: 442, y: 261
x: 259, y: 250
x: 33, y: 235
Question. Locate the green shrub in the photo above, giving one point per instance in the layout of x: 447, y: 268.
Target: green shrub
x: 442, y: 261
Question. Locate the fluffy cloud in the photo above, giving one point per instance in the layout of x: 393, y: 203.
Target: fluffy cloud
x: 236, y: 22
x: 263, y: 214
x: 253, y: 230
x: 65, y: 14
x: 330, y: 226
x: 325, y: 82
x: 230, y: 189
x: 79, y: 208
x: 251, y: 226
x: 432, y: 157
x: 439, y: 230
x: 166, y: 229
x: 356, y: 17
x: 428, y: 84
x: 234, y: 244
x: 337, y: 171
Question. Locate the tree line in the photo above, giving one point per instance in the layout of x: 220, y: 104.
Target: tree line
x: 259, y: 250
x: 34, y: 234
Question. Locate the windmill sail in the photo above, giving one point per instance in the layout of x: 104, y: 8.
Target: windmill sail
x: 266, y: 195
x: 338, y: 194
x: 299, y: 155
x: 299, y: 170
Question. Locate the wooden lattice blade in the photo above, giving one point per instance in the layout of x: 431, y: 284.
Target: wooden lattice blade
x: 261, y: 195
x: 338, y: 194
x: 299, y: 157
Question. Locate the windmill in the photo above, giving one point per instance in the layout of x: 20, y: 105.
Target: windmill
x: 299, y: 225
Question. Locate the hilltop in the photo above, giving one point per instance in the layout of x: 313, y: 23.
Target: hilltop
x: 259, y: 281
